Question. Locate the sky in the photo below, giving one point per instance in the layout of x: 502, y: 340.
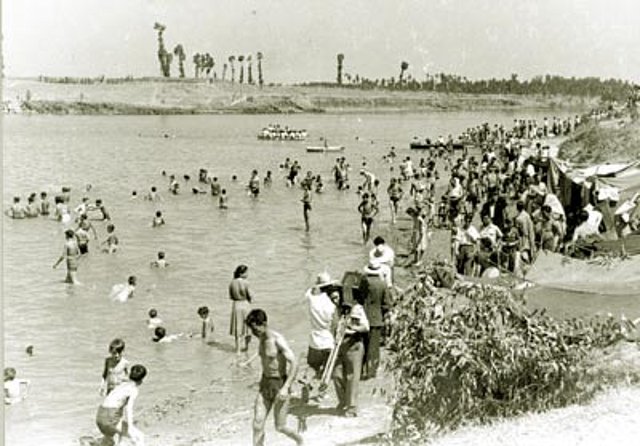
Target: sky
x: 300, y: 38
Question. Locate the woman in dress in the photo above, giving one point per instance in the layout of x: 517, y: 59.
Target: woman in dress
x: 241, y: 305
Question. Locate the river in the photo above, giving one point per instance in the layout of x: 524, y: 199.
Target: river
x: 70, y: 327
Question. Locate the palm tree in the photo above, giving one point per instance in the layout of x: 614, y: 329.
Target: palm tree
x: 209, y: 64
x: 196, y: 62
x: 179, y: 53
x: 340, y: 58
x: 232, y: 59
x: 241, y: 61
x: 259, y: 57
x: 249, y: 70
x: 403, y: 68
x: 162, y: 52
x: 224, y: 72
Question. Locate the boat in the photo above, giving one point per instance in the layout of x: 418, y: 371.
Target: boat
x: 428, y: 145
x: 324, y: 149
x: 277, y: 133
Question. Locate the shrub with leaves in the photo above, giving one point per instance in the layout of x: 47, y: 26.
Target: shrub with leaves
x: 477, y: 352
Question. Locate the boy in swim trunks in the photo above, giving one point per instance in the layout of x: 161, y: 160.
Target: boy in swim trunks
x: 115, y: 414
x: 368, y: 209
x: 111, y: 241
x: 275, y: 384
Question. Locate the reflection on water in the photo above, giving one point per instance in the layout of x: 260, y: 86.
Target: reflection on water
x: 71, y: 327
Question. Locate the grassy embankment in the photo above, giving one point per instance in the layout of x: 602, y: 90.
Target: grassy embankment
x: 610, y: 142
x: 151, y: 96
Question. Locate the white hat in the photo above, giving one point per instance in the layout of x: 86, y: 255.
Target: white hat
x: 323, y: 279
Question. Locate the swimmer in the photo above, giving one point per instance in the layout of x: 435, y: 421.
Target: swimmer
x: 122, y: 292
x: 160, y: 262
x: 29, y: 350
x: 153, y: 195
x: 15, y: 389
x: 215, y: 187
x: 154, y: 321
x: 160, y: 335
x: 223, y: 202
x: 44, y: 204
x: 306, y: 206
x: 32, y: 210
x: 254, y: 184
x: 16, y: 210
x: 111, y: 241
x: 158, y: 220
x: 134, y: 195
x: 99, y: 206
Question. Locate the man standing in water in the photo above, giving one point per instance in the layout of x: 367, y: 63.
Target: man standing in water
x: 71, y: 253
x: 368, y: 209
x: 306, y: 205
x: 275, y: 384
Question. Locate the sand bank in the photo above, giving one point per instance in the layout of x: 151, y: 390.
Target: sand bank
x: 155, y: 96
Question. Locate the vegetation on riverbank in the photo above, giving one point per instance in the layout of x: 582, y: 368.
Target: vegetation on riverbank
x: 476, y: 354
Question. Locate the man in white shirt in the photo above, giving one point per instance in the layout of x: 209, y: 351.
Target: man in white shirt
x: 321, y: 314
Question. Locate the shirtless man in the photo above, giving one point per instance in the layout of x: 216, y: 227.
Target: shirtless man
x: 368, y: 209
x: 16, y: 210
x: 71, y: 252
x: 275, y: 384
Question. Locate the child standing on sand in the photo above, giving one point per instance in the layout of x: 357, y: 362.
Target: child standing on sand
x: 15, y: 389
x: 115, y: 414
x: 116, y: 367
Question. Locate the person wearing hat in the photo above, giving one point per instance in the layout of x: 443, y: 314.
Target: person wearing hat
x: 348, y: 366
x: 377, y: 302
x: 322, y: 311
x: 385, y: 256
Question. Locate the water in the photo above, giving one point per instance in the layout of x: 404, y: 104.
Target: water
x: 71, y: 327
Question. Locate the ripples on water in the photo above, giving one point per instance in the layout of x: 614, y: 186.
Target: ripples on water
x: 71, y: 327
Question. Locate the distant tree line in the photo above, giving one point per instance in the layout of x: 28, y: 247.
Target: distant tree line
x: 607, y: 89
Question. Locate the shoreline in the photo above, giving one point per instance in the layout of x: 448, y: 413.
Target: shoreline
x: 156, y: 97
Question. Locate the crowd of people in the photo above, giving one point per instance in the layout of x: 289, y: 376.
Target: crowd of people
x: 506, y: 192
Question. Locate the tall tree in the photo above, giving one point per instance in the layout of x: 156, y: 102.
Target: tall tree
x: 249, y: 69
x: 162, y: 51
x: 178, y: 51
x: 259, y: 57
x: 241, y: 62
x: 196, y: 62
x: 209, y: 64
x: 403, y: 67
x: 340, y: 58
x: 232, y: 59
x: 224, y: 72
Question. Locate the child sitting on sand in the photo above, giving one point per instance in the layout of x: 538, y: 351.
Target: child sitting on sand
x: 160, y: 262
x: 116, y: 367
x: 154, y: 321
x: 15, y: 389
x: 115, y: 414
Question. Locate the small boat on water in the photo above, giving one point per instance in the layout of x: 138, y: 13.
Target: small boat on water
x: 324, y: 149
x: 429, y: 145
x: 278, y: 133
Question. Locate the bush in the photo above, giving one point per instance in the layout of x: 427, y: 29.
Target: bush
x: 477, y: 352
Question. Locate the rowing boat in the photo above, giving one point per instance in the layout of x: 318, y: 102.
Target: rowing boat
x: 323, y: 149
